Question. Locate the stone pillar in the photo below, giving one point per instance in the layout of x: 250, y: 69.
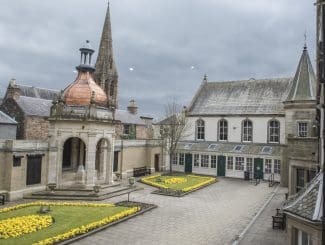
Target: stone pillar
x: 90, y: 160
x: 52, y: 163
x: 109, y: 162
x: 81, y: 174
x: 74, y: 153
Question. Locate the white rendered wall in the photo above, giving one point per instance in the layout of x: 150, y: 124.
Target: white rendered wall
x: 260, y: 128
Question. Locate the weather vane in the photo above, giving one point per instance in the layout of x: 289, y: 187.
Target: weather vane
x: 305, y: 36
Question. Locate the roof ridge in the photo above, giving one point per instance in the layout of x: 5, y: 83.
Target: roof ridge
x: 52, y: 89
x: 251, y: 80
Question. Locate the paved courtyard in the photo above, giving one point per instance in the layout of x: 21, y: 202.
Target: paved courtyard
x: 213, y: 215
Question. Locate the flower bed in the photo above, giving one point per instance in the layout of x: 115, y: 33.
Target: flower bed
x: 177, y: 185
x: 20, y: 225
x: 14, y: 227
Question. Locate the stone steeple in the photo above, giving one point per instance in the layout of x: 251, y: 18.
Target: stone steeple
x: 304, y: 82
x: 106, y: 73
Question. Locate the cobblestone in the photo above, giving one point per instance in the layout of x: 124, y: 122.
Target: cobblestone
x: 213, y: 215
x: 261, y: 232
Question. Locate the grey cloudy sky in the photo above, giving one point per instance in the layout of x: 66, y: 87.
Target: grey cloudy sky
x: 169, y: 43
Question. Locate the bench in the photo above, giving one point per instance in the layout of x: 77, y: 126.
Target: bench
x: 141, y: 171
x: 3, y: 195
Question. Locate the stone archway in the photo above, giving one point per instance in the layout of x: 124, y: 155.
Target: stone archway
x: 73, y: 160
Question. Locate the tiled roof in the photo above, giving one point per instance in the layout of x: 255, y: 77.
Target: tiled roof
x: 128, y: 118
x: 264, y: 96
x: 41, y: 93
x: 225, y: 147
x: 308, y: 202
x: 35, y: 106
x: 304, y: 82
x: 5, y: 119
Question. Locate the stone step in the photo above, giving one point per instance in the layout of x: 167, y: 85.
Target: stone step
x: 82, y: 195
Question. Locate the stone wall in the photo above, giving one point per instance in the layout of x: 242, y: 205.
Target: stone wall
x: 13, y: 176
x: 36, y: 128
x: 137, y: 153
x: 11, y: 108
x: 8, y: 131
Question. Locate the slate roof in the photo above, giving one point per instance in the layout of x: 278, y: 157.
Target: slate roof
x: 304, y: 82
x: 225, y: 147
x: 42, y: 93
x: 308, y: 202
x: 35, y: 106
x: 5, y: 119
x: 128, y: 118
x: 263, y: 96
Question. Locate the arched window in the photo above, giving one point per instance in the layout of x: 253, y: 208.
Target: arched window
x: 200, y: 129
x: 223, y: 129
x: 247, y: 131
x: 274, y: 131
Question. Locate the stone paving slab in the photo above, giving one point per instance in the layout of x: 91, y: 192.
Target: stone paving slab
x: 213, y: 215
x: 261, y: 232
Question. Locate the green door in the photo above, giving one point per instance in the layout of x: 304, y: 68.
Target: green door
x: 258, y: 168
x: 188, y: 163
x: 221, y: 166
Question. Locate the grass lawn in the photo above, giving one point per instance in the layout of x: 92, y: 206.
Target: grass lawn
x: 184, y: 183
x: 66, y: 218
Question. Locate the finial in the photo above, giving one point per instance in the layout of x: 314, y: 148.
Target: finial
x: 305, y: 44
x: 205, y: 78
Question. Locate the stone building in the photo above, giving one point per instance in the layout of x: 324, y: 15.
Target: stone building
x: 304, y: 213
x: 263, y: 127
x: 81, y: 131
x: 30, y: 107
x: 8, y: 127
x: 78, y: 136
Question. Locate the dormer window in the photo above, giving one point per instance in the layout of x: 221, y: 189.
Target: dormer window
x: 302, y: 129
x: 212, y: 146
x: 238, y: 148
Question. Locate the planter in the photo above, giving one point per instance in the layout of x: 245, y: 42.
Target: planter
x: 131, y: 181
x: 51, y: 186
x: 96, y: 188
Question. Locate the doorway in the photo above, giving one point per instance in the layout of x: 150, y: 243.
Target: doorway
x: 34, y: 169
x: 221, y: 171
x: 156, y: 162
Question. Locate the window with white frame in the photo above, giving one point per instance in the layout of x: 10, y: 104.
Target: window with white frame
x: 247, y: 131
x: 200, y: 129
x: 181, y: 158
x: 277, y: 166
x: 249, y: 164
x: 274, y: 131
x: 196, y: 160
x: 301, y: 238
x: 223, y: 130
x: 213, y: 161
x: 302, y: 129
x: 230, y: 163
x: 268, y: 166
x: 239, y: 163
x: 204, y: 161
x: 174, y: 159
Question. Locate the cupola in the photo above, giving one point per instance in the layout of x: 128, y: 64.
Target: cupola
x: 84, y: 90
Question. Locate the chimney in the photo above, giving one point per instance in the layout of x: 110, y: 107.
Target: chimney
x: 132, y: 107
x: 13, y: 91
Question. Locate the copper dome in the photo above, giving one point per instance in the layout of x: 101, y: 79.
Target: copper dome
x: 84, y: 91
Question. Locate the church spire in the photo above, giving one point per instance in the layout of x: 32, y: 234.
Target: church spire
x: 106, y: 73
x: 304, y: 82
